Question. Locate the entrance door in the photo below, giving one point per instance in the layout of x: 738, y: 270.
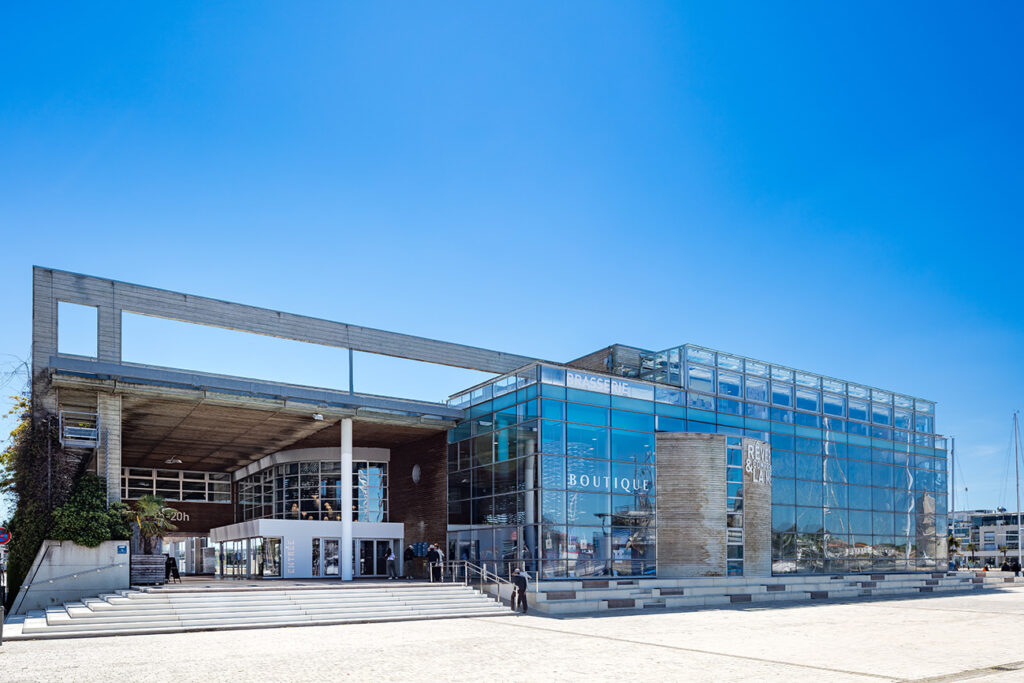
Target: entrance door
x: 371, y: 556
x: 326, y: 556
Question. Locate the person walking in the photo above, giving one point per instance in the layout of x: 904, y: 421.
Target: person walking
x: 407, y: 557
x: 390, y: 559
x: 432, y: 558
x: 519, y: 592
x: 440, y: 561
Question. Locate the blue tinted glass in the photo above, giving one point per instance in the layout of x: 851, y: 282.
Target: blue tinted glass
x: 901, y: 419
x: 574, y: 412
x: 807, y: 445
x: 857, y: 428
x: 860, y: 522
x: 729, y: 384
x: 756, y: 411
x: 808, y: 400
x: 734, y: 490
x: 783, y: 518
x: 669, y: 410
x: 552, y: 375
x: 670, y: 424
x: 728, y: 406
x: 807, y: 420
x: 552, y: 437
x: 834, y: 405
x: 835, y: 470
x: 881, y: 455
x: 782, y: 394
x: 700, y: 401
x: 700, y: 378
x: 858, y: 410
x: 923, y: 423
x: 860, y: 497
x: 782, y: 415
x: 836, y: 495
x: 809, y: 493
x: 783, y: 441
x: 881, y: 414
x: 635, y: 404
x: 859, y: 452
x: 882, y: 499
x: 783, y: 491
x: 858, y: 472
x: 638, y: 421
x: 581, y: 396
x: 632, y: 447
x: 808, y: 467
x: 837, y: 521
x: 588, y: 508
x: 553, y: 507
x: 882, y: 523
x: 702, y: 427
x: 666, y: 395
x: 881, y: 475
x: 588, y: 475
x: 551, y: 409
x: 551, y: 391
x: 809, y: 520
x: 757, y: 389
x: 783, y: 464
x: 586, y: 442
x: 552, y: 469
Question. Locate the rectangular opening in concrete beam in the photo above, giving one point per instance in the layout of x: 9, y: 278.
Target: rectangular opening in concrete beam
x: 190, y: 346
x: 389, y: 376
x: 77, y: 329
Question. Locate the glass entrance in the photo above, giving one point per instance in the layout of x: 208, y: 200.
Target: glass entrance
x: 372, y: 554
x: 326, y: 556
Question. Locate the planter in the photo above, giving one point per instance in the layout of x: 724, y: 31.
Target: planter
x: 148, y: 569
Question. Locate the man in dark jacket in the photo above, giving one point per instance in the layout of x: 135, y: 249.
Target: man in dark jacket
x: 432, y: 559
x: 407, y: 557
x: 519, y: 581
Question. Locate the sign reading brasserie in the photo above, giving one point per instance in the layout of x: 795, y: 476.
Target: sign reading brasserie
x: 757, y: 462
x: 605, y: 385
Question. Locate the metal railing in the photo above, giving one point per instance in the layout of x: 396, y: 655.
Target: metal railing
x: 74, y: 575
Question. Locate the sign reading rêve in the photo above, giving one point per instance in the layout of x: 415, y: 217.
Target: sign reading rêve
x: 757, y: 462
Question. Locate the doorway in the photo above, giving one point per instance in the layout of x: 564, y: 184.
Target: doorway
x: 371, y: 556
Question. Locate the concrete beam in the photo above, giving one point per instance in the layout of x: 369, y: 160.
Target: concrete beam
x: 113, y: 297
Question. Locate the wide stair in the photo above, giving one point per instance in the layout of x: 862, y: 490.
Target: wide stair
x: 147, y: 611
x: 598, y: 595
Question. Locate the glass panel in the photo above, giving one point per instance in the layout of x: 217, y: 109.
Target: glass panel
x: 782, y: 394
x: 700, y: 378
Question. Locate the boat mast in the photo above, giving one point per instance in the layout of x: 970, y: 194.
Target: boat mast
x: 1016, y: 469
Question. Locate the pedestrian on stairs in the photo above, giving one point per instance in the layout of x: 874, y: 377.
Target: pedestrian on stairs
x: 389, y: 555
x: 519, y: 592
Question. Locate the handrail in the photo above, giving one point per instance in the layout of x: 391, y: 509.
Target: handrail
x: 72, y: 575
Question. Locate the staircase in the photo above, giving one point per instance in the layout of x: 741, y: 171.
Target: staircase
x: 598, y: 595
x: 152, y: 611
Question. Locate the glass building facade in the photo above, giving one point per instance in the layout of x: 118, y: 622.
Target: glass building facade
x: 556, y: 466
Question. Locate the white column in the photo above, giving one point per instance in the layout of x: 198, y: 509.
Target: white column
x: 346, y: 499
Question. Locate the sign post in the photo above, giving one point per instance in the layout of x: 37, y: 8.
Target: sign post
x: 5, y: 536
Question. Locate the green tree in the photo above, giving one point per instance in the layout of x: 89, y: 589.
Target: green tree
x: 971, y: 547
x: 153, y: 519
x: 85, y: 518
x: 1003, y: 549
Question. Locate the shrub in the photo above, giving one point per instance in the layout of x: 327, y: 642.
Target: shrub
x: 85, y: 519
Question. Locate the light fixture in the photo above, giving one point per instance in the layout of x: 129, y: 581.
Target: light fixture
x: 318, y: 417
x: 173, y: 460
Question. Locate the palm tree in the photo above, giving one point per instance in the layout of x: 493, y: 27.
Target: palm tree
x: 153, y: 519
x: 971, y: 547
x: 1003, y: 549
x: 952, y: 547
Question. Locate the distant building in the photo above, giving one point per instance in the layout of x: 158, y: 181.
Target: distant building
x: 988, y: 530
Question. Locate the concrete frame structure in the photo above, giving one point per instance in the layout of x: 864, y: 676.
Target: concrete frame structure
x: 101, y: 383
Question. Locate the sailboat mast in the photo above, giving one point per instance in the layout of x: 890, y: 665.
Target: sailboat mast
x: 1016, y: 469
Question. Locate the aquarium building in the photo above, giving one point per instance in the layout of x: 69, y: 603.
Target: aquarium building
x: 681, y: 462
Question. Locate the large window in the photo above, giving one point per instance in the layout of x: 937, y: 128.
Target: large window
x: 176, y: 485
x: 312, y: 491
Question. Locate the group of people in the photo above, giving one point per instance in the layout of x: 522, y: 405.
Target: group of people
x: 435, y: 561
x: 1010, y: 566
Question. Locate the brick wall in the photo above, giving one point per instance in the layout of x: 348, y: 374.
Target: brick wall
x: 420, y: 506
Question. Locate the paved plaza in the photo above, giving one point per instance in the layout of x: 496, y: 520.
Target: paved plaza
x: 961, y: 637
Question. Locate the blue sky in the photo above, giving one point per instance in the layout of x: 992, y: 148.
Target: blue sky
x: 834, y: 188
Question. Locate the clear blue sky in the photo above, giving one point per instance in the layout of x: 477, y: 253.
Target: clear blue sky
x: 832, y: 187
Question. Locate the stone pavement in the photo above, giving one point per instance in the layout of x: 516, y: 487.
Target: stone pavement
x: 974, y: 636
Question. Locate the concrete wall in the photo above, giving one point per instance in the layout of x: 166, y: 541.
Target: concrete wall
x: 57, y: 559
x: 691, y: 504
x: 757, y: 508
